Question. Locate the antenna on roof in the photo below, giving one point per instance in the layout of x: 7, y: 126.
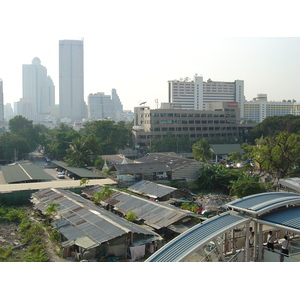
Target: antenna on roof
x: 143, y: 103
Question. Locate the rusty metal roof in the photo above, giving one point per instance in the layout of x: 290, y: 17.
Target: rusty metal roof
x: 79, y: 217
x: 156, y: 214
x: 151, y: 189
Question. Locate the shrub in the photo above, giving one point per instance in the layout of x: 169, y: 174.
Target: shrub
x: 131, y: 216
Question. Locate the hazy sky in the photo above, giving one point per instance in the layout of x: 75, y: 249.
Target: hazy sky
x: 137, y: 46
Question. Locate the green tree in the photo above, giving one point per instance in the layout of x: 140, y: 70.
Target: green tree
x: 79, y: 153
x: 235, y: 156
x: 84, y: 181
x: 278, y: 153
x: 201, y: 150
x: 104, y: 193
x: 170, y: 143
x: 216, y: 178
x: 246, y: 185
x: 131, y: 216
x: 52, y: 209
x: 272, y: 126
x: 109, y: 135
x: 59, y: 140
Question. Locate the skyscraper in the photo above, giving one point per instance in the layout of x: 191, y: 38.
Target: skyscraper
x: 38, y: 88
x: 1, y: 102
x: 71, y: 80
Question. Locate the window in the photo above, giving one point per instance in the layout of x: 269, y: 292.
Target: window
x: 183, y: 115
x: 163, y: 114
x: 170, y: 115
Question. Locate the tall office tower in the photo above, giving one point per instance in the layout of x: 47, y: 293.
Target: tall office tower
x: 100, y: 106
x: 117, y: 102
x: 1, y: 102
x: 195, y: 94
x: 71, y: 80
x: 38, y: 87
x: 8, y: 112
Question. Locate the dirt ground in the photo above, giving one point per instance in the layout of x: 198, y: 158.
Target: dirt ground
x: 10, y: 237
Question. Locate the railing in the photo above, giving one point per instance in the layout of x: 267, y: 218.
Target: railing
x: 239, y: 256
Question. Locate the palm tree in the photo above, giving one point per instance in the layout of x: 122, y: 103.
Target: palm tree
x: 79, y: 153
x: 201, y: 150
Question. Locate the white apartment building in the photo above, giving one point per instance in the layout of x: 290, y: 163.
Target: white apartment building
x: 260, y: 108
x: 196, y: 94
x: 71, y: 80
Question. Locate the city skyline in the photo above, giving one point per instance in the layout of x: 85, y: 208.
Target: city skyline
x: 137, y: 49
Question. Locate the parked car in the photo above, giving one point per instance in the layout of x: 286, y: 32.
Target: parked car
x: 60, y: 176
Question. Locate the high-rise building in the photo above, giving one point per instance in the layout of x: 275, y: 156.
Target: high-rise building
x: 38, y: 87
x: 195, y: 94
x: 101, y: 106
x: 71, y: 80
x: 117, y: 102
x: 1, y: 102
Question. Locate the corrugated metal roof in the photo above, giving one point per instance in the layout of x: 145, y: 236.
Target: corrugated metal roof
x: 289, y: 217
x: 259, y: 204
x: 291, y: 183
x: 144, y: 168
x: 24, y: 173
x: 199, y: 235
x: 226, y: 148
x: 84, y: 218
x: 81, y: 172
x: 155, y: 214
x: 115, y: 158
x: 173, y: 161
x: 151, y: 189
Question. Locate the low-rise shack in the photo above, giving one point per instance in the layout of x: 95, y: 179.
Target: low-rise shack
x: 89, y: 231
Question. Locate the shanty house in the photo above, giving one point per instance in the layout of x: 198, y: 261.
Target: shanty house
x: 89, y: 231
x: 159, y: 216
x: 155, y: 191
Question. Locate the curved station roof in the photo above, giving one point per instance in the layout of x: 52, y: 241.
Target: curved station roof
x: 280, y: 210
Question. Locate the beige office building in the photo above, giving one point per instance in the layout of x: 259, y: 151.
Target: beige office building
x: 222, y: 120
